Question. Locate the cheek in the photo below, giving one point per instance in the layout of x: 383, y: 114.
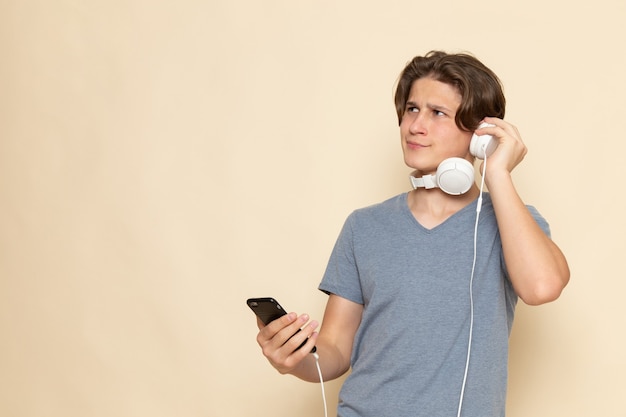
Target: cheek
x: 404, y: 129
x: 461, y: 142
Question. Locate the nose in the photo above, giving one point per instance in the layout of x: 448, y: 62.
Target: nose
x: 416, y: 123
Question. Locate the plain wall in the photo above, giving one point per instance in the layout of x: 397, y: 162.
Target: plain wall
x: 160, y: 162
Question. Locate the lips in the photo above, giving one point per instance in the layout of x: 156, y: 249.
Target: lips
x: 414, y: 145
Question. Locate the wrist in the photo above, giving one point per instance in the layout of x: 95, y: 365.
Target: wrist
x: 497, y: 178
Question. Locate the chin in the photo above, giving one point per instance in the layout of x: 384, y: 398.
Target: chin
x: 422, y: 168
x: 411, y: 162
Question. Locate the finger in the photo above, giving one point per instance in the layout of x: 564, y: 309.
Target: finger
x: 491, y: 122
x: 304, y: 349
x: 260, y: 323
x: 268, y: 332
x: 506, y: 127
x: 489, y: 126
x: 288, y: 357
x: 280, y: 343
x: 289, y: 331
x: 301, y: 338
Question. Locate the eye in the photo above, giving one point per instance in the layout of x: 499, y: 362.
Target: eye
x: 411, y: 109
x: 439, y: 112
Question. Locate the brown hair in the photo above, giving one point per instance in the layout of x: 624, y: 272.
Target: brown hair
x: 480, y: 89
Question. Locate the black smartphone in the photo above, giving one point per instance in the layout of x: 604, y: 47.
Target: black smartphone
x: 268, y: 310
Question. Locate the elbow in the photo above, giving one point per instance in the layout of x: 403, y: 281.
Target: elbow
x: 546, y: 290
x: 539, y: 297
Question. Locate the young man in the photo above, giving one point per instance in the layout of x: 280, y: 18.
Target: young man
x: 416, y: 284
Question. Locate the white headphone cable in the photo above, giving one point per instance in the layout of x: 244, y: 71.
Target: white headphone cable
x: 319, y: 371
x: 479, y: 204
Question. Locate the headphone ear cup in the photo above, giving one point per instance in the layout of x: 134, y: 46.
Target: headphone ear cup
x: 482, y: 145
x: 455, y: 175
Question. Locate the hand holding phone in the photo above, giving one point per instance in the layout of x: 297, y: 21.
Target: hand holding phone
x: 268, y: 309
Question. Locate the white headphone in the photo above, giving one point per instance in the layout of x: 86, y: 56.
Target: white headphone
x: 456, y: 175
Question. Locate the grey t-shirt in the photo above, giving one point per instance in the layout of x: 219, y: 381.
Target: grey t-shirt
x: 411, y: 347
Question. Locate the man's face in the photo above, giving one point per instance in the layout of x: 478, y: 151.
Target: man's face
x: 428, y: 131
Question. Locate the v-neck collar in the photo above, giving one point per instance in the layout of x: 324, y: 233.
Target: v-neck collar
x: 451, y: 218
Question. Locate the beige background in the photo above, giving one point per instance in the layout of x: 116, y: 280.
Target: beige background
x: 160, y: 162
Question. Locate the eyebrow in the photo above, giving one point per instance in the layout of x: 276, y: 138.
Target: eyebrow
x: 431, y: 106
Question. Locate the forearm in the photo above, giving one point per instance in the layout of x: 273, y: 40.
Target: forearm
x: 334, y: 342
x: 536, y: 266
